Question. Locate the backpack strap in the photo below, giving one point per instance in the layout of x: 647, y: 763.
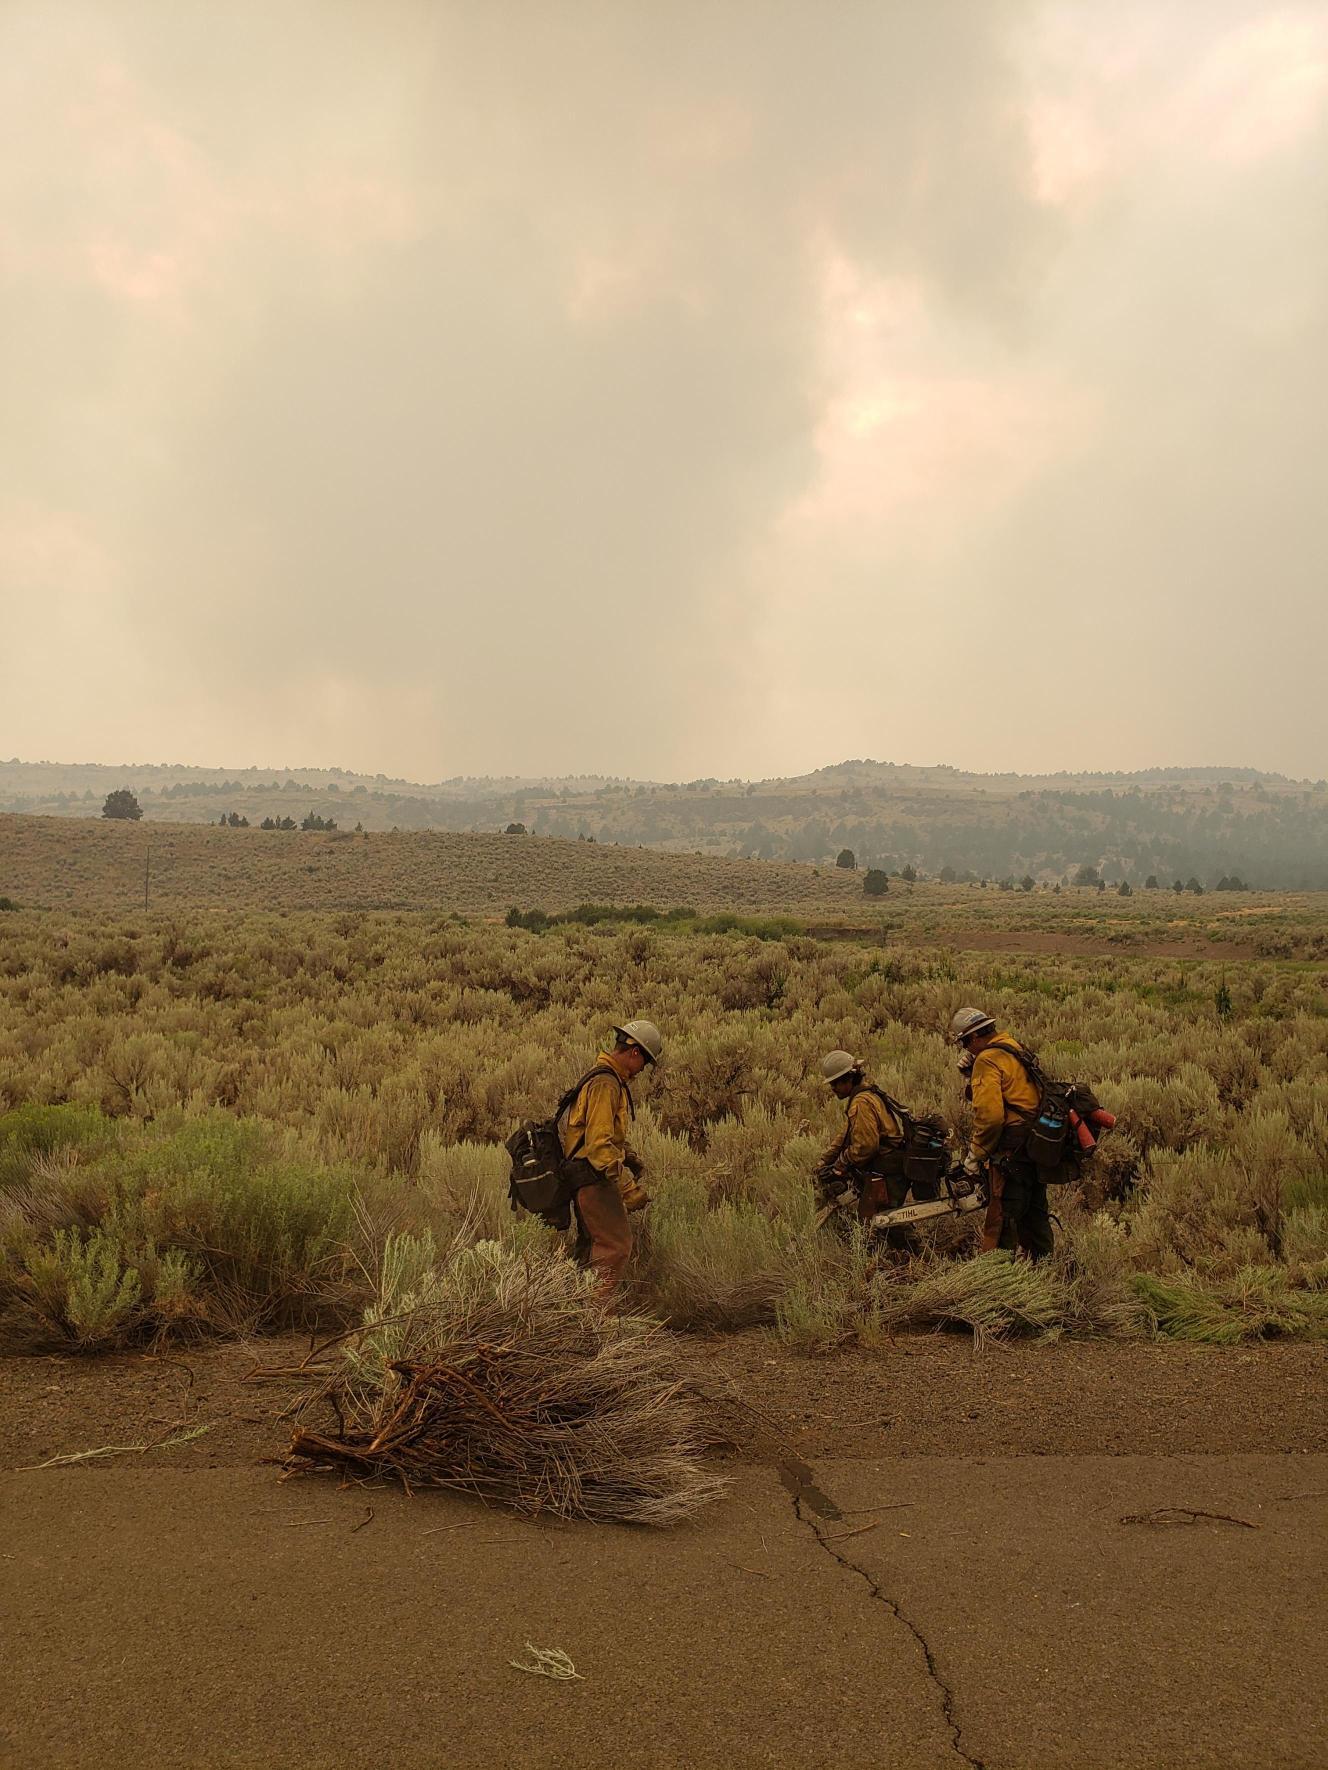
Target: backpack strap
x: 1027, y: 1061
x: 897, y: 1109
x: 570, y: 1097
x: 573, y: 1094
x: 904, y: 1117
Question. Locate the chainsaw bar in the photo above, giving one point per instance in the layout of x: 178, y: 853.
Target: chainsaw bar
x: 958, y: 1204
x: 936, y: 1207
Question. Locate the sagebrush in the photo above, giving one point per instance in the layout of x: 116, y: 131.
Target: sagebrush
x: 205, y: 1113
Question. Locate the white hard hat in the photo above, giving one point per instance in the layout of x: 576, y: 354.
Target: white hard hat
x: 967, y: 1022
x: 835, y: 1065
x: 644, y: 1034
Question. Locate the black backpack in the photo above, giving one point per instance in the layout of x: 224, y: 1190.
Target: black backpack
x: 923, y: 1159
x: 1046, y: 1139
x: 538, y: 1182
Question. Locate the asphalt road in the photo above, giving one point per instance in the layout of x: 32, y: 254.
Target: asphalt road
x: 1001, y: 1613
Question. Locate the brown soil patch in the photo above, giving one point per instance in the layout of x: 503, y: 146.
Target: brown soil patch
x: 856, y: 1600
x: 937, y: 1395
x: 922, y: 1395
x: 1085, y: 946
x: 53, y: 1406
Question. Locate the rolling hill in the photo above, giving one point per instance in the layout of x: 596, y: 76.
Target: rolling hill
x: 101, y: 866
x: 1208, y: 823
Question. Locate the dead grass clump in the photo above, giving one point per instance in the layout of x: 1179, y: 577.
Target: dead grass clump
x: 1305, y: 1236
x: 993, y: 1295
x: 1093, y: 1257
x: 497, y: 1375
x: 466, y: 1182
x: 714, y: 1268
x: 830, y: 1299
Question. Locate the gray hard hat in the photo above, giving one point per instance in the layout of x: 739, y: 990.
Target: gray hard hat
x: 644, y: 1034
x: 835, y: 1065
x: 967, y: 1022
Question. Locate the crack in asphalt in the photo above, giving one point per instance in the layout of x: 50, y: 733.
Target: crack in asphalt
x: 798, y: 1478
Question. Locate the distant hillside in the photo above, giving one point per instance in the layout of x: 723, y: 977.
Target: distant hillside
x: 1207, y: 823
x: 100, y: 864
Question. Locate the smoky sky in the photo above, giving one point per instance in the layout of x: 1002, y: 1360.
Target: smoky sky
x: 664, y: 389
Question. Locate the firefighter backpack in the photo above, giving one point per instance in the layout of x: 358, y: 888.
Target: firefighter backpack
x: 538, y: 1183
x: 1057, y: 1139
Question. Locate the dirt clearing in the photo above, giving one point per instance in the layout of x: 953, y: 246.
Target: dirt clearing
x: 1035, y: 1555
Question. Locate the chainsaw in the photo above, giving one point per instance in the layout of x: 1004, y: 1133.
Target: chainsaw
x: 958, y: 1196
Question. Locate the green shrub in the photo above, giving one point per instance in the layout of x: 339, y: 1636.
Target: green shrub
x: 91, y: 1290
x: 534, y: 920
x: 286, y: 1091
x: 993, y: 1296
x: 32, y: 1131
x: 217, y: 1220
x: 590, y: 915
x: 270, y: 1230
x: 87, y: 1286
x: 1256, y: 1303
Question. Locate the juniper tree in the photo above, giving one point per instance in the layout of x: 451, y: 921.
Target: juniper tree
x: 121, y: 803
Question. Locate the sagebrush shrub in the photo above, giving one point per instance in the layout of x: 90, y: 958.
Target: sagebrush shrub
x: 252, y: 1101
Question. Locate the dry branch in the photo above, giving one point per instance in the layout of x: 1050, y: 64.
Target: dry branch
x: 511, y: 1385
x: 1185, y: 1515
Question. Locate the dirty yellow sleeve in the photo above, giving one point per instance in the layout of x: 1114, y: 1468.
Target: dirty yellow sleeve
x: 988, y: 1107
x: 601, y: 1111
x: 1002, y: 1095
x: 864, y: 1130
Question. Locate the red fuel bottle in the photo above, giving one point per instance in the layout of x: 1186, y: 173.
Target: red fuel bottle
x: 1087, y: 1141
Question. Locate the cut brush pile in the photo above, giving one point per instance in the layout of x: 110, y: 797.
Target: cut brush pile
x: 494, y: 1373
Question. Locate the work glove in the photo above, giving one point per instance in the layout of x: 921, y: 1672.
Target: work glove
x: 634, y: 1165
x: 634, y: 1196
x: 826, y: 1181
x: 974, y: 1167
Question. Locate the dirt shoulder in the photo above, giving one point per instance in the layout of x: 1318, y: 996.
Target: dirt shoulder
x: 921, y: 1395
x: 938, y: 1395
x: 1051, y: 1555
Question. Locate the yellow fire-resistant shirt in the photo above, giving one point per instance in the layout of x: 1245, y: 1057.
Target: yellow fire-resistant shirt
x: 871, y: 1125
x: 1002, y: 1095
x: 597, y: 1121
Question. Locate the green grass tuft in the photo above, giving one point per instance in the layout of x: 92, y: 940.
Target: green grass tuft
x: 1258, y: 1303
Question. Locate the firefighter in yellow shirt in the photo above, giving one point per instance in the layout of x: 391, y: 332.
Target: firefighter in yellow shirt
x: 1005, y: 1102
x: 599, y: 1161
x: 870, y: 1150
